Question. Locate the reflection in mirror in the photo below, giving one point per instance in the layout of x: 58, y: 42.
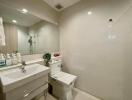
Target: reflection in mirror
x: 26, y: 33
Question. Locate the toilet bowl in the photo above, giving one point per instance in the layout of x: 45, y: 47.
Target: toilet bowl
x: 61, y: 82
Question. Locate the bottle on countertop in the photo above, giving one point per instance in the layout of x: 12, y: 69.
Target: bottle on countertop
x: 2, y: 60
x: 19, y: 58
x: 14, y: 59
x: 8, y: 60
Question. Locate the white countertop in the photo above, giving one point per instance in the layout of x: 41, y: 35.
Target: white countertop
x: 32, y: 72
x: 19, y: 64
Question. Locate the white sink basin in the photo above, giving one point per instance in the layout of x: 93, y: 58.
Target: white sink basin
x: 18, y: 74
x: 15, y: 78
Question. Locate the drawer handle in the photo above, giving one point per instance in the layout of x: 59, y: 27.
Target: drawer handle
x: 27, y: 94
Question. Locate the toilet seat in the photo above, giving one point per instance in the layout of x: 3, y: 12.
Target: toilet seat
x: 64, y: 78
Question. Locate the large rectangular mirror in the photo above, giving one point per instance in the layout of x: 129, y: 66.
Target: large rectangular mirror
x: 26, y: 33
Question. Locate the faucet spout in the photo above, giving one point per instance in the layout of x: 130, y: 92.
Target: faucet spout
x: 23, y: 67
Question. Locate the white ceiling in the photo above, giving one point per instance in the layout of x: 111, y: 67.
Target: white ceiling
x: 41, y: 8
x: 8, y: 14
x: 35, y: 7
x: 64, y: 3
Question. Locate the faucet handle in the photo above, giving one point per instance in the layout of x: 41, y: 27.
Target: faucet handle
x: 23, y: 63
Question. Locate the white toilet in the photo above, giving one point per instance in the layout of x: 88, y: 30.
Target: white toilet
x: 62, y: 82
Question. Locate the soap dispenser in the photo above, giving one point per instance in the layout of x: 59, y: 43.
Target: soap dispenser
x: 8, y: 60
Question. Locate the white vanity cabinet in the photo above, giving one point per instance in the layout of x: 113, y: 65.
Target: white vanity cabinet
x: 24, y: 86
x: 29, y: 90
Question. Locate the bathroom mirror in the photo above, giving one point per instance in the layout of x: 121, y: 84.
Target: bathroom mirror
x: 26, y: 33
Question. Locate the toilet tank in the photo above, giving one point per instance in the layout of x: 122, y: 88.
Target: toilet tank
x: 55, y: 67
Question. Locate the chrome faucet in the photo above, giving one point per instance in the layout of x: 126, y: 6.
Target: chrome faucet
x: 22, y: 67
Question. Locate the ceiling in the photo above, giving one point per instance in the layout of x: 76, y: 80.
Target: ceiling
x: 8, y: 14
x: 63, y: 3
x: 41, y: 8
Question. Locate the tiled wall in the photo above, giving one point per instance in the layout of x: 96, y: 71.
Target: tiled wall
x: 100, y: 55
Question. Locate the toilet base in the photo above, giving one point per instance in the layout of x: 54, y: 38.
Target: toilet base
x: 61, y: 91
x: 67, y: 95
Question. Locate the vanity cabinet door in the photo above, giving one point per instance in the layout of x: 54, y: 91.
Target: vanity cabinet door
x: 29, y: 90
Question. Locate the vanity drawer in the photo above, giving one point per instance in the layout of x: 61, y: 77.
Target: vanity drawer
x: 29, y: 90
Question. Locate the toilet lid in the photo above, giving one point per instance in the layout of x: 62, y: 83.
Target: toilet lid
x: 64, y: 78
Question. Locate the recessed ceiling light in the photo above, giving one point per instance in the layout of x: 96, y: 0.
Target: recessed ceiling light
x: 14, y: 21
x: 24, y: 10
x: 89, y: 12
